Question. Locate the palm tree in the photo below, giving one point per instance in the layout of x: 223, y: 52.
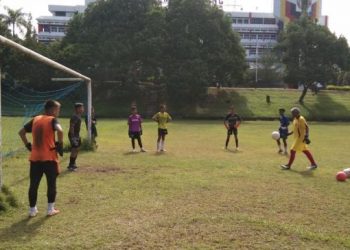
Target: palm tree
x: 14, y: 18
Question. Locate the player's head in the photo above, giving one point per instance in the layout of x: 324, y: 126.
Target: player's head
x: 295, y: 111
x: 79, y: 108
x: 133, y: 110
x: 281, y: 111
x: 52, y: 107
x: 162, y: 107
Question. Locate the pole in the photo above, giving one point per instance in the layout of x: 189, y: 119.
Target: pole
x: 256, y: 58
x: 89, y: 106
x: 58, y: 66
x: 1, y: 182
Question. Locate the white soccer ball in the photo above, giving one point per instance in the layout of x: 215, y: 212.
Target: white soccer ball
x: 275, y: 135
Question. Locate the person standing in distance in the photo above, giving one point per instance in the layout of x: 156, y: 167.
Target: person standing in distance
x: 43, y: 154
x: 74, y: 135
x: 301, y: 140
x: 232, y: 122
x: 283, y: 130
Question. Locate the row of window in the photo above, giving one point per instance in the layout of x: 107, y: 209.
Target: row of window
x: 253, y: 20
x: 259, y: 36
x: 252, y: 51
x: 46, y: 28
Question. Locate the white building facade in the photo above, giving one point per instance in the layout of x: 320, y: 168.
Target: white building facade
x: 51, y: 28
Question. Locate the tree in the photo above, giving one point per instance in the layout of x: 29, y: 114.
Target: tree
x: 15, y: 18
x: 310, y: 53
x: 201, y: 48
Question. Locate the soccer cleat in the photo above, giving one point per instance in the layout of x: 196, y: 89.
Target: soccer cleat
x: 142, y: 150
x: 280, y: 151
x: 53, y: 212
x: 285, y: 167
x: 237, y: 149
x: 163, y: 150
x: 312, y: 167
x: 33, y: 212
x: 72, y: 168
x: 134, y: 150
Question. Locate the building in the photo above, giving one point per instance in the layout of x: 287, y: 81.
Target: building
x: 259, y: 31
x: 51, y: 28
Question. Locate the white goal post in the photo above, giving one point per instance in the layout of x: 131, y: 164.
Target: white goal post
x: 9, y: 43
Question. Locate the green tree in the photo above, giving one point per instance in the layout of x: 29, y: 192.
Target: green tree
x: 311, y: 53
x: 15, y: 18
x: 201, y: 48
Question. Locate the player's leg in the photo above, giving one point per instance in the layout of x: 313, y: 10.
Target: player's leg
x: 291, y: 160
x: 229, y: 132
x: 159, y: 139
x: 139, y: 141
x: 51, y: 173
x: 279, y: 146
x: 285, y: 145
x: 235, y: 133
x: 35, y: 175
x: 163, y: 141
x: 72, y: 158
x: 311, y: 159
x: 133, y: 143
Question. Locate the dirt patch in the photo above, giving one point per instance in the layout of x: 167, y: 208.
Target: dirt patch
x: 102, y: 170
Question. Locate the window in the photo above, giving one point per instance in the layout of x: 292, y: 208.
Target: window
x: 270, y: 21
x: 60, y: 13
x: 257, y: 20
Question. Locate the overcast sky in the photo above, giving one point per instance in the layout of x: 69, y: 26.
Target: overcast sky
x: 337, y: 10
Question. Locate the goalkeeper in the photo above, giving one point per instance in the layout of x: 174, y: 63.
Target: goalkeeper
x: 43, y: 157
x: 74, y: 135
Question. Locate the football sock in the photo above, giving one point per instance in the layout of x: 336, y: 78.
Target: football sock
x: 50, y: 206
x: 133, y: 143
x: 309, y: 156
x: 292, y: 157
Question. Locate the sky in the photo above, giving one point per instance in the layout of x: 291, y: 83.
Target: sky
x: 337, y: 10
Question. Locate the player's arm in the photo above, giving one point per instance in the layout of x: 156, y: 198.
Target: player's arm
x: 169, y: 118
x: 155, y: 117
x: 71, y: 128
x: 22, y: 133
x: 238, y: 122
x: 226, y: 122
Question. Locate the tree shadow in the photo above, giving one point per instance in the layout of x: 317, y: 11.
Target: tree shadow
x: 317, y: 111
x: 22, y: 230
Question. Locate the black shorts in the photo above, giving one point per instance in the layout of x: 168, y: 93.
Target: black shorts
x: 231, y: 131
x: 283, y: 133
x: 75, y: 142
x: 162, y: 131
x: 134, y: 135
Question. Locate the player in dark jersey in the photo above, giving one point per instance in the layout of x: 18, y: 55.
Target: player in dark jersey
x: 74, y: 135
x: 283, y: 130
x: 232, y: 122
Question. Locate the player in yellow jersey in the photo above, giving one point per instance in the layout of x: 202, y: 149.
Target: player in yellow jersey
x: 162, y: 118
x: 301, y: 140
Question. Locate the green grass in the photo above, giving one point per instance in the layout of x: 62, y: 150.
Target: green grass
x: 195, y: 196
x: 251, y: 104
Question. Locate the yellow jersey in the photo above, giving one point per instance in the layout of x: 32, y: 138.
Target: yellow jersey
x: 162, y: 119
x: 299, y: 131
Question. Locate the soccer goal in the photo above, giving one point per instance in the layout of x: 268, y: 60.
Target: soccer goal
x: 28, y: 102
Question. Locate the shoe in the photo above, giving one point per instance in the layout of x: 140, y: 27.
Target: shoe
x: 280, y: 151
x: 53, y: 212
x: 142, y: 150
x: 237, y: 149
x: 285, y: 167
x: 285, y: 153
x: 134, y: 150
x: 163, y: 150
x: 33, y: 212
x: 72, y: 168
x: 312, y: 167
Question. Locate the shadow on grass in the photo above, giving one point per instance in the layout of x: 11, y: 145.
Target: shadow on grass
x: 326, y: 108
x: 304, y: 173
x: 22, y: 230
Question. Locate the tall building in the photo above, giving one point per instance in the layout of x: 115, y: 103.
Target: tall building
x: 259, y: 31
x: 51, y: 28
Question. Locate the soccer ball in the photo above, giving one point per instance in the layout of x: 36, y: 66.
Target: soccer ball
x: 341, y: 176
x: 275, y: 135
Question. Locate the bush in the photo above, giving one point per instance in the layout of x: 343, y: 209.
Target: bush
x: 7, y: 199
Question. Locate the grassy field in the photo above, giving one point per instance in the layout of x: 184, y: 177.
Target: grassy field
x: 195, y: 196
x: 251, y: 103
